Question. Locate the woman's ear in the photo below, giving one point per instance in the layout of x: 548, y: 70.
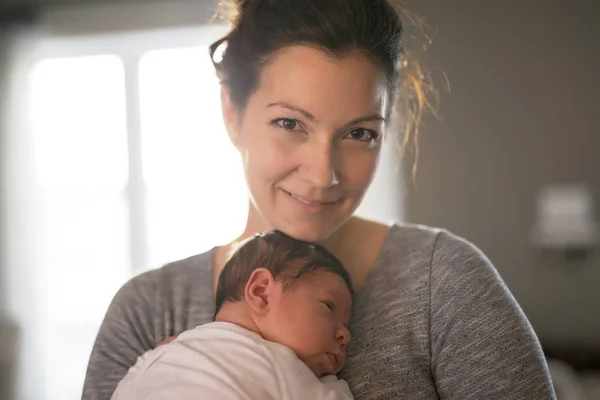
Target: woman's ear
x: 230, y: 115
x: 260, y: 290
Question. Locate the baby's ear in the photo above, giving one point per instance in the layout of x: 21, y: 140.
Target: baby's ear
x: 260, y: 289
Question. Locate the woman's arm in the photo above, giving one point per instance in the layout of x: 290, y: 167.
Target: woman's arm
x: 482, y: 345
x: 126, y: 332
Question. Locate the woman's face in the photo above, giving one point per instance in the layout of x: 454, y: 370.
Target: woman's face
x: 310, y: 139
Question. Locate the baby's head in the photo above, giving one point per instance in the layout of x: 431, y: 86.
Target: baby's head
x: 290, y: 292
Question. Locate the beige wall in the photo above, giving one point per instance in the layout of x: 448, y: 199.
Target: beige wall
x: 523, y: 112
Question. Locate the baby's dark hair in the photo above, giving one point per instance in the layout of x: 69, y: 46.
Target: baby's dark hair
x: 286, y: 258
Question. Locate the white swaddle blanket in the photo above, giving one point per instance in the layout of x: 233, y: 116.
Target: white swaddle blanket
x: 220, y: 360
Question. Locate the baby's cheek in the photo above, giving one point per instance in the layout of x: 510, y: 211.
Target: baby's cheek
x: 301, y: 342
x: 304, y: 332
x: 292, y: 335
x: 315, y: 341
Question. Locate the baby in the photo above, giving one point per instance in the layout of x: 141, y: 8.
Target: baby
x: 280, y: 332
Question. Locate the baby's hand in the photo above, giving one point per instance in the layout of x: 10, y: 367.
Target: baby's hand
x: 167, y: 340
x: 337, y: 388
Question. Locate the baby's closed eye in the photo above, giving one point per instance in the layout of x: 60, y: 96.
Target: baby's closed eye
x: 329, y: 305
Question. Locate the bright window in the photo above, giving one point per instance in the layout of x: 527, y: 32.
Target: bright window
x: 80, y: 155
x: 195, y: 183
x: 91, y: 115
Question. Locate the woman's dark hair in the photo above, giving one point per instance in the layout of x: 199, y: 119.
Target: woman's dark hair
x: 288, y: 259
x: 373, y: 28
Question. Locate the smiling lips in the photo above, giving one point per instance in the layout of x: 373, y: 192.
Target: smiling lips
x: 312, y: 205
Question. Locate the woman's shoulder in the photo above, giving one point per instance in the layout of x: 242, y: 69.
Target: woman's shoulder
x: 174, y: 277
x: 189, y: 269
x: 439, y: 248
x: 405, y: 242
x: 451, y: 261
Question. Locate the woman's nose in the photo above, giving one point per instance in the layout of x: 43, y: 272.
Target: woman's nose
x: 318, y: 167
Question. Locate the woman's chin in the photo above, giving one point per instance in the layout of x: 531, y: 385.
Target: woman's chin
x: 306, y: 235
x: 308, y: 232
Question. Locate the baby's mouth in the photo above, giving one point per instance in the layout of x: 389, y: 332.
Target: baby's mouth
x: 334, y: 360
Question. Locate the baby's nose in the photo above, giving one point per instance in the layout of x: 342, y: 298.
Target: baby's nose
x: 343, y: 337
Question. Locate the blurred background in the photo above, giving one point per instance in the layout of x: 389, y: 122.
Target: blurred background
x: 110, y: 133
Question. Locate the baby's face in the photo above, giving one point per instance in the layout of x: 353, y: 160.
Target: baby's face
x: 311, y: 318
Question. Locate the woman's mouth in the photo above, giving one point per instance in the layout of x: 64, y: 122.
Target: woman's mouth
x: 310, y: 205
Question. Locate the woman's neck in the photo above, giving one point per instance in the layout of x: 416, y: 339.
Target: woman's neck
x: 356, y: 243
x: 255, y: 223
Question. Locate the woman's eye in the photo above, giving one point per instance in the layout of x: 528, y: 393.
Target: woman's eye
x: 364, y: 135
x: 329, y: 305
x: 287, y: 124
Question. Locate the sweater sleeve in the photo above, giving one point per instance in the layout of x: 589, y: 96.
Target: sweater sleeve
x: 482, y: 345
x: 125, y: 334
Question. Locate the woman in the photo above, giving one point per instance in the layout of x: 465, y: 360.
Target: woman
x: 308, y: 89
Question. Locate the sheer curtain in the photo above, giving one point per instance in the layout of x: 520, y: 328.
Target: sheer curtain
x: 18, y: 286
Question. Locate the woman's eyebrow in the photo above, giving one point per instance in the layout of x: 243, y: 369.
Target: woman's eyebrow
x: 367, y: 118
x: 293, y: 108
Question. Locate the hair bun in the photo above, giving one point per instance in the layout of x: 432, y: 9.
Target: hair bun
x: 230, y: 10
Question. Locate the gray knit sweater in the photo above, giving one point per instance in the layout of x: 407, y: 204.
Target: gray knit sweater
x: 434, y: 320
